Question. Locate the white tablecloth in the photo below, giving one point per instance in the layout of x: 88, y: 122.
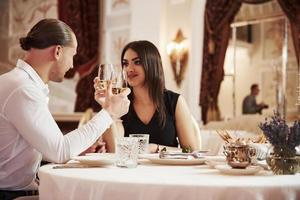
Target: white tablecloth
x: 160, y: 182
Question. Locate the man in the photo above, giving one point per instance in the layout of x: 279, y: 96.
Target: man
x: 249, y: 103
x: 27, y: 128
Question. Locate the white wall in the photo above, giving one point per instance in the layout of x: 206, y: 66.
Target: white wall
x: 195, y: 68
x: 146, y: 19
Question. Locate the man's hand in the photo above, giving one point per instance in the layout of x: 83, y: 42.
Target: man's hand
x: 116, y: 105
x: 98, y: 147
x: 263, y: 105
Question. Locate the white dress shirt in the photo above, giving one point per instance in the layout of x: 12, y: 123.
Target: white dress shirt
x: 28, y: 130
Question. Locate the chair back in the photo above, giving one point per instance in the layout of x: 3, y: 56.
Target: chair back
x: 87, y: 115
x: 197, y: 132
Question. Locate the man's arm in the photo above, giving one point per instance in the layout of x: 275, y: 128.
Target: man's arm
x: 28, y: 111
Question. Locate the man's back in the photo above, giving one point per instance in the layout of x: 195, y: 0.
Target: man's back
x: 16, y: 155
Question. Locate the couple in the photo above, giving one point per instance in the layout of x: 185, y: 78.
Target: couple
x: 28, y: 130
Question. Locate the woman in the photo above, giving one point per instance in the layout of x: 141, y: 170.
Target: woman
x: 154, y: 110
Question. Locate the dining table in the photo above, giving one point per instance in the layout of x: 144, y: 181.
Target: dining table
x: 162, y: 181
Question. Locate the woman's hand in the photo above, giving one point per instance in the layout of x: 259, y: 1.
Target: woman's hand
x: 153, y: 148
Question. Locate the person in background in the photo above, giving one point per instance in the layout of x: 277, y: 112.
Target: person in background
x: 28, y: 130
x: 154, y: 110
x: 249, y: 103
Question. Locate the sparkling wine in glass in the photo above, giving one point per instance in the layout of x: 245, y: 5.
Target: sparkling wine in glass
x: 119, y: 79
x: 105, y: 74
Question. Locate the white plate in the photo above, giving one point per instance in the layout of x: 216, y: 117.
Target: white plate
x: 101, y: 154
x: 226, y: 169
x: 169, y: 161
x: 147, y: 155
x: 212, y: 161
x: 96, y: 160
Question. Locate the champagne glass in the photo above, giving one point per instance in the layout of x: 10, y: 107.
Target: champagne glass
x: 119, y: 79
x: 105, y: 73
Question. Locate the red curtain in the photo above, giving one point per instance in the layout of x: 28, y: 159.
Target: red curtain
x: 83, y: 17
x: 218, y: 16
x: 291, y: 8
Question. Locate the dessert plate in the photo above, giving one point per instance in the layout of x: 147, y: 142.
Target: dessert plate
x: 250, y: 170
x: 212, y: 161
x: 147, y: 155
x: 100, y: 154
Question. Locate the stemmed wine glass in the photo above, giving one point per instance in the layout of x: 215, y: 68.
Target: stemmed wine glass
x: 119, y: 79
x: 105, y: 74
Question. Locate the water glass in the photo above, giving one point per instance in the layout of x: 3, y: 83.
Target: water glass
x: 143, y: 140
x: 126, y: 152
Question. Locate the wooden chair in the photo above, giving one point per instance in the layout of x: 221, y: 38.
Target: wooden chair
x: 197, y: 132
x: 87, y: 115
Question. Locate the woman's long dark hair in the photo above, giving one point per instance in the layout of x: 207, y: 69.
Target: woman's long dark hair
x: 46, y: 33
x: 154, y: 74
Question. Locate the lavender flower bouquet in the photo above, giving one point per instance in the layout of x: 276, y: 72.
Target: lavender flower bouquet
x: 282, y: 159
x: 280, y: 135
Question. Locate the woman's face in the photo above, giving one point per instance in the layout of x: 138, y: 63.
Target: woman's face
x: 135, y: 71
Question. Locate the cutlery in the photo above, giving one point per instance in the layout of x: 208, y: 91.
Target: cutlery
x: 72, y: 165
x: 179, y: 155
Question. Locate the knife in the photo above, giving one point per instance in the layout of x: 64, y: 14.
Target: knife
x: 72, y: 165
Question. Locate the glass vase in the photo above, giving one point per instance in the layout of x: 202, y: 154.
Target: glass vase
x: 283, y: 160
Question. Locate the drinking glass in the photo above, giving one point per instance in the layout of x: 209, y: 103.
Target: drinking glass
x: 126, y: 152
x: 143, y: 140
x: 119, y: 79
x: 105, y: 73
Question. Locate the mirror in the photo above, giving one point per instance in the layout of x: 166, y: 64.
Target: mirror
x: 260, y: 51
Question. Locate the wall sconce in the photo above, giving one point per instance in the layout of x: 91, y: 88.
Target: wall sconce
x: 178, y: 54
